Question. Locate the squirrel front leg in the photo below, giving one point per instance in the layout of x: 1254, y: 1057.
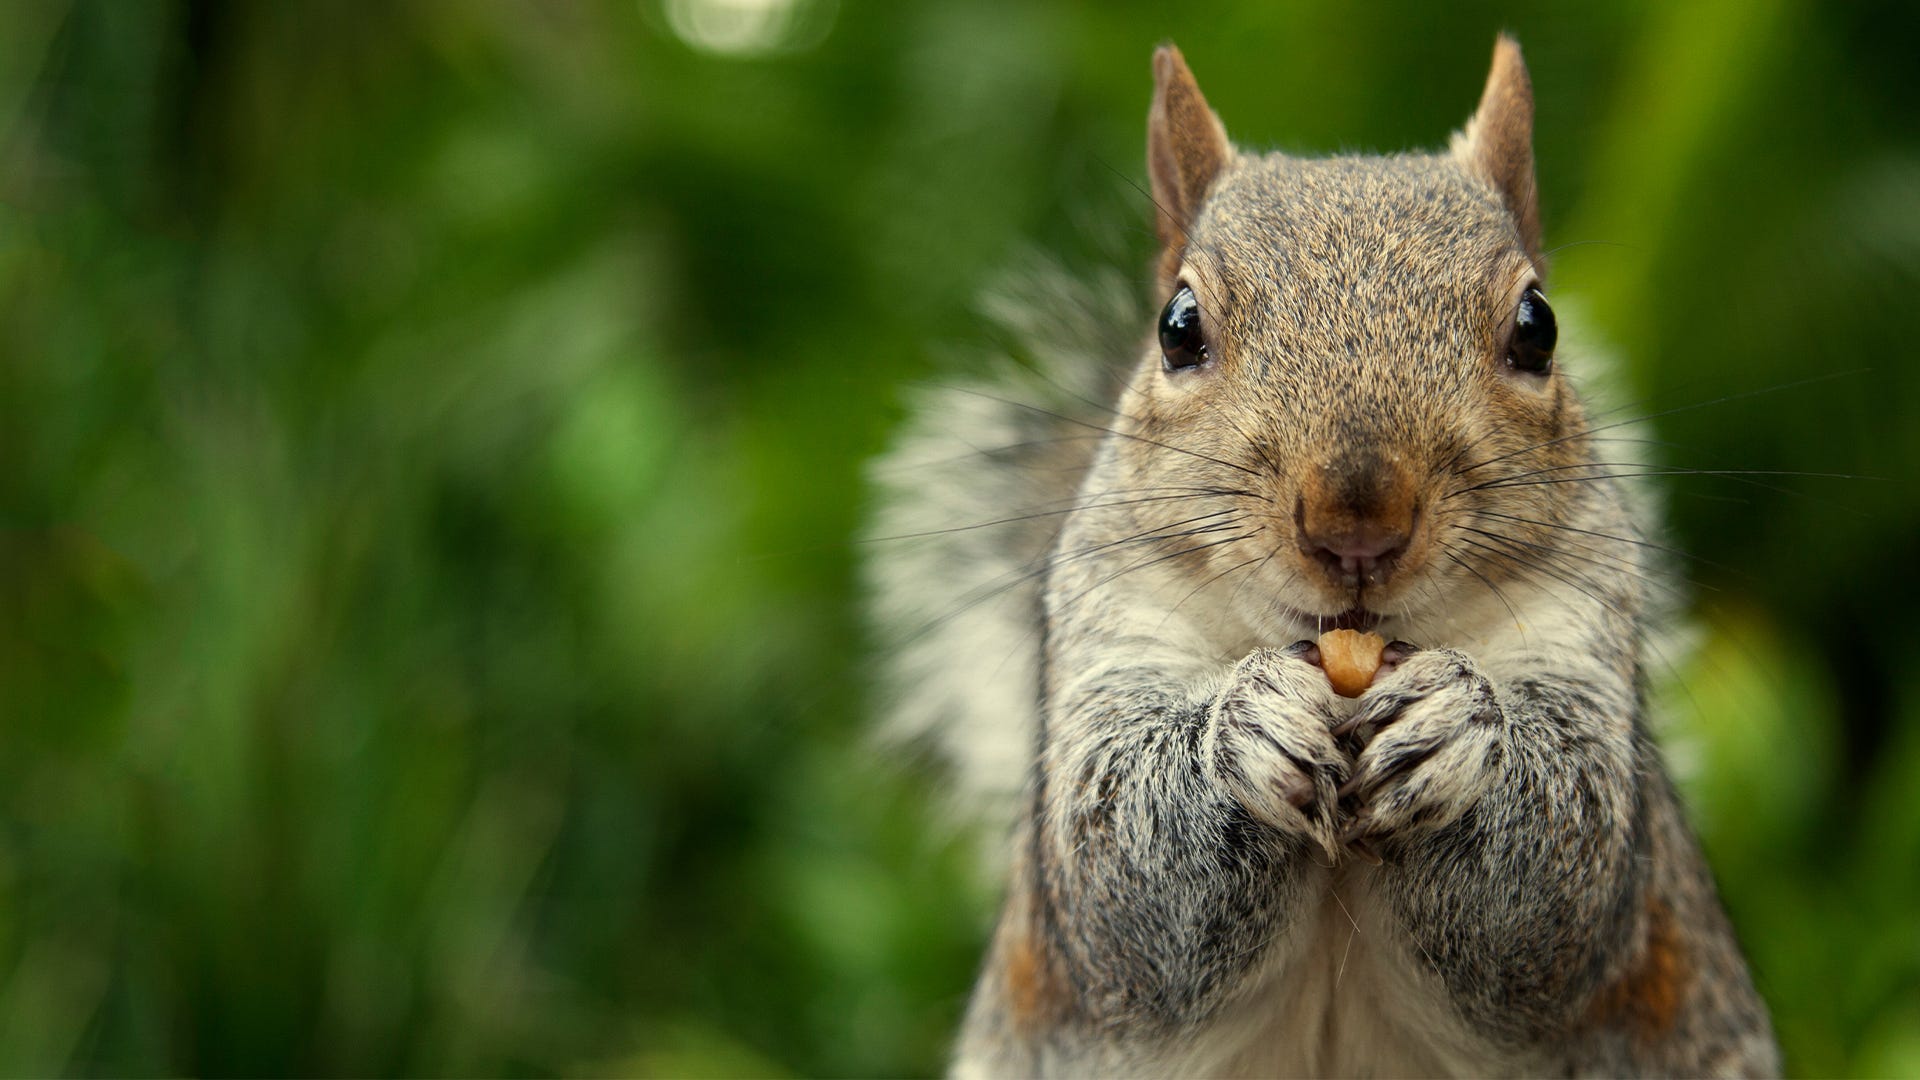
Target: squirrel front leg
x: 1510, y: 817
x: 1170, y: 842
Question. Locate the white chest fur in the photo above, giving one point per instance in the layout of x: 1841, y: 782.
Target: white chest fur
x: 1346, y: 993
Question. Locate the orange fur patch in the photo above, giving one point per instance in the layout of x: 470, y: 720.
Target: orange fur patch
x: 1647, y: 998
x: 1033, y: 994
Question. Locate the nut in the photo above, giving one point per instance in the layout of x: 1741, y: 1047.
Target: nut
x: 1350, y: 659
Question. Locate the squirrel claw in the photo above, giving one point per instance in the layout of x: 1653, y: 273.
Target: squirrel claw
x: 1365, y: 851
x: 1297, y: 790
x: 1356, y: 829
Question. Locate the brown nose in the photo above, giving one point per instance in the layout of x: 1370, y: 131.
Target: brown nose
x: 1360, y: 550
x: 1357, y: 526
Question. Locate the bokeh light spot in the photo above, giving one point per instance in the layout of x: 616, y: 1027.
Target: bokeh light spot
x: 748, y: 28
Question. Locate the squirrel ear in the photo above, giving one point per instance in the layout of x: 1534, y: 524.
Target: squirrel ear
x: 1186, y: 148
x: 1498, y: 142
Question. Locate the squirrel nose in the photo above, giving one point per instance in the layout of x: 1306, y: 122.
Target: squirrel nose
x: 1362, y: 550
x: 1355, y: 516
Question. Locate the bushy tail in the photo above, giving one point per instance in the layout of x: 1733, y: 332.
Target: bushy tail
x: 969, y: 502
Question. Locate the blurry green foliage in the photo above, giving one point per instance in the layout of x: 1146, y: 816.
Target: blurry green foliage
x: 430, y: 434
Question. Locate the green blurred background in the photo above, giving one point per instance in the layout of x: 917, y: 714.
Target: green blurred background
x: 431, y: 433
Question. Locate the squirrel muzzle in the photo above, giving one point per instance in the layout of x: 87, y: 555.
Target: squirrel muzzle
x: 1355, y: 521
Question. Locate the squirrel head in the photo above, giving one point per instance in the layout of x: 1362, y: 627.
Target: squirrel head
x: 1360, y: 351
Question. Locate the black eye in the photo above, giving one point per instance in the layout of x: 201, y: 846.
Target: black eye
x: 1181, y: 342
x: 1534, y: 333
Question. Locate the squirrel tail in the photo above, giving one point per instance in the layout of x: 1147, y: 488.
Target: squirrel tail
x: 969, y: 501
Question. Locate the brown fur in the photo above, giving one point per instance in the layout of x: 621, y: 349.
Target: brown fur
x: 1186, y: 149
x: 1346, y: 358
x: 1498, y: 141
x: 1033, y: 992
x: 1648, y: 997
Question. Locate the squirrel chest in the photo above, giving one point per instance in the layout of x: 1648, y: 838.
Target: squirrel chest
x: 1355, y: 1001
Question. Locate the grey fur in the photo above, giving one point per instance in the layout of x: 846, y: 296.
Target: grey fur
x: 1185, y: 862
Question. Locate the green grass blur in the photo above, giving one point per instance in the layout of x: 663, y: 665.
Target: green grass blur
x: 431, y: 434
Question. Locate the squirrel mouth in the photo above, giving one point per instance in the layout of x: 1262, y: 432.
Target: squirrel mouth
x: 1354, y: 618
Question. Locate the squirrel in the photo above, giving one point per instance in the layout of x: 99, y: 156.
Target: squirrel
x: 1349, y: 413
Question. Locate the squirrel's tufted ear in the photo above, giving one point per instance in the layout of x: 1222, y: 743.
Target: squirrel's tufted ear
x: 1498, y: 142
x: 1186, y: 148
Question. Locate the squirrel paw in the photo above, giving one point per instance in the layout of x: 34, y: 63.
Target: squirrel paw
x: 1431, y: 738
x: 1269, y: 739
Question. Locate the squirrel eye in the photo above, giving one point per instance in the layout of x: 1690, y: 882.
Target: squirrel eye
x: 1181, y: 343
x: 1534, y: 333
